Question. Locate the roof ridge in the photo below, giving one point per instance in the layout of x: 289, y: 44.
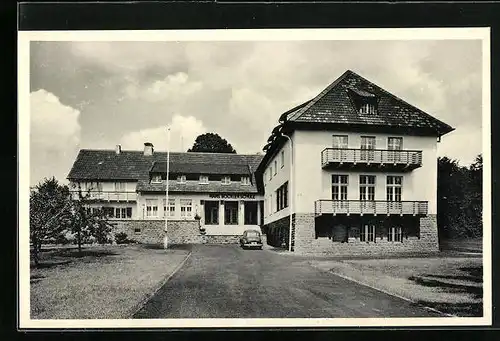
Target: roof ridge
x: 164, y: 152
x: 321, y: 94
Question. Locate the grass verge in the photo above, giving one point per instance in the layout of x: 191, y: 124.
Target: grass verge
x: 100, y: 283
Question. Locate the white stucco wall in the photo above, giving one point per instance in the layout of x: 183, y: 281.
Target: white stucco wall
x: 270, y: 186
x: 313, y: 183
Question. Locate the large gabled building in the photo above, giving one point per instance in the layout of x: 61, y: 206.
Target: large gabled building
x: 361, y: 167
x: 130, y: 186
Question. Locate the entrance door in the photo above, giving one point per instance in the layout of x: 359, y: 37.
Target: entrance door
x: 211, y: 212
x: 251, y: 213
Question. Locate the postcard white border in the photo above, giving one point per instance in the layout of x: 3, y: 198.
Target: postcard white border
x: 24, y: 39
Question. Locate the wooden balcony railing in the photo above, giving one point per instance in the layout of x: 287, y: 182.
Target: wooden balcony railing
x: 380, y: 158
x: 106, y: 195
x: 361, y: 207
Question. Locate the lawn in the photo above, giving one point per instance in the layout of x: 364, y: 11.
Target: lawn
x: 452, y: 284
x: 103, y: 282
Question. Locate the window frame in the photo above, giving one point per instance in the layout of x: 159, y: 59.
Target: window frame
x: 367, y: 236
x: 341, y: 186
x: 226, y: 180
x: 154, y: 177
x: 120, y: 186
x: 282, y: 158
x: 367, y: 188
x: 245, y: 180
x: 168, y: 208
x: 367, y: 108
x: 181, y: 179
x: 391, y: 188
x: 275, y: 167
x: 394, y: 233
x: 151, y: 208
x: 202, y: 181
x: 186, y: 209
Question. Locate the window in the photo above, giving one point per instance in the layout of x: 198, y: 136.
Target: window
x: 181, y: 179
x: 231, y: 212
x: 226, y: 180
x: 186, y: 208
x: 339, y: 186
x: 151, y: 208
x: 367, y: 147
x: 137, y: 230
x: 275, y: 167
x: 170, y: 209
x: 123, y: 212
x: 271, y: 210
x: 282, y: 197
x: 367, y: 187
x: 270, y: 172
x: 119, y: 186
x: 203, y: 179
x: 156, y: 178
x: 394, y: 143
x: 340, y: 141
x: 282, y: 158
x: 395, y: 234
x: 394, y: 186
x: 367, y: 233
x: 367, y: 108
x: 245, y: 180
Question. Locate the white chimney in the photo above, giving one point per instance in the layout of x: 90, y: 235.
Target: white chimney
x: 118, y: 149
x: 148, y: 149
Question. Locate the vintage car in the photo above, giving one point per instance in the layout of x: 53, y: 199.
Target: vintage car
x: 251, y: 239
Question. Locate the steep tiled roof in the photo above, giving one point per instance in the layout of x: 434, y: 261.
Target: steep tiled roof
x: 195, y: 187
x: 202, y: 168
x: 334, y: 105
x: 134, y: 165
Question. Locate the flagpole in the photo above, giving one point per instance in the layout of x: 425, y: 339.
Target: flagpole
x: 165, y: 240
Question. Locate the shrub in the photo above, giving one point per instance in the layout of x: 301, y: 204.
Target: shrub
x: 121, y: 238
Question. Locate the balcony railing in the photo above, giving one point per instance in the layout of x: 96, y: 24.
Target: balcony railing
x: 106, y: 195
x: 399, y: 160
x: 361, y: 207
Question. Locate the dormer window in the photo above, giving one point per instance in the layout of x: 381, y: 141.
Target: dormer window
x: 181, y: 179
x: 226, y: 180
x: 203, y: 179
x: 156, y: 178
x: 245, y: 180
x: 367, y: 108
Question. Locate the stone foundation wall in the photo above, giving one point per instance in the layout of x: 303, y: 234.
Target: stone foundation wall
x: 277, y: 232
x: 152, y: 231
x: 305, y: 241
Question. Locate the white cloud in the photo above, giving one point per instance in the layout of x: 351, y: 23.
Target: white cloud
x: 183, y: 132
x: 54, y: 136
x: 176, y: 88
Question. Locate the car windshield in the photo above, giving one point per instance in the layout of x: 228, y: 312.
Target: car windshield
x: 252, y: 234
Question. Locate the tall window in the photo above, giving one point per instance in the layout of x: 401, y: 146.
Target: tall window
x: 270, y: 172
x: 367, y: 187
x: 395, y: 234
x: 367, y: 147
x: 282, y: 158
x: 226, y: 180
x: 245, y: 180
x: 340, y: 141
x: 275, y: 167
x: 119, y: 186
x: 186, y: 208
x: 339, y: 187
x: 231, y: 212
x: 367, y: 233
x: 394, y: 144
x: 203, y: 179
x: 367, y: 108
x: 282, y: 197
x: 181, y: 179
x: 170, y: 210
x: 151, y: 208
x: 394, y: 188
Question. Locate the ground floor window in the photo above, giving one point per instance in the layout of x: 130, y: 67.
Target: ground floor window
x: 123, y: 212
x: 367, y: 233
x: 170, y: 210
x: 251, y: 213
x: 186, y: 208
x: 395, y: 234
x: 231, y: 213
x: 211, y: 212
x: 151, y: 208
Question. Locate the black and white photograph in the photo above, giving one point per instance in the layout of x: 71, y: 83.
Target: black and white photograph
x: 229, y: 178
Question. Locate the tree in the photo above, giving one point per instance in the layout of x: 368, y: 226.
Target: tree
x: 87, y: 221
x: 50, y: 213
x: 211, y: 143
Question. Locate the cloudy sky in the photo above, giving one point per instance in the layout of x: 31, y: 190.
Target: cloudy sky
x: 99, y: 94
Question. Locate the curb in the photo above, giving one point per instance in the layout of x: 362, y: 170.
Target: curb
x: 141, y: 303
x: 389, y: 293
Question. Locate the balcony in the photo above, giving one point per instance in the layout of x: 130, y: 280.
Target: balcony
x: 375, y: 159
x: 360, y: 207
x: 107, y: 196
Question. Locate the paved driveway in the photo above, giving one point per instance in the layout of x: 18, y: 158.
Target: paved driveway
x: 224, y: 281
